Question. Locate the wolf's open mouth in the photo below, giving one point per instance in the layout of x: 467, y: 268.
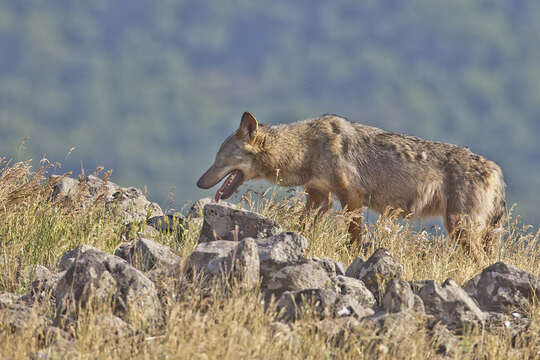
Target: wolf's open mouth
x: 235, y: 179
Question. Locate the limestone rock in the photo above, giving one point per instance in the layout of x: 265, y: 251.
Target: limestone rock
x: 309, y: 275
x: 354, y: 269
x: 130, y: 203
x: 278, y: 251
x: 398, y: 297
x: 225, y: 222
x: 97, y: 277
x: 377, y: 271
x: 146, y: 254
x: 331, y: 266
x: 450, y: 304
x: 347, y: 286
x: 504, y: 288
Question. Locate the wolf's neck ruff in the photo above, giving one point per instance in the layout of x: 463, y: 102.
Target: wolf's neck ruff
x: 282, y: 155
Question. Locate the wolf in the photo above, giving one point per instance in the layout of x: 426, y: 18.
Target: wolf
x: 365, y: 166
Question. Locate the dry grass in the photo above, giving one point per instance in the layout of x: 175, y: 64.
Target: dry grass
x: 36, y: 230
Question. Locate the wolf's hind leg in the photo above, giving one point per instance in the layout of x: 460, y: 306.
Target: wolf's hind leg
x: 462, y: 231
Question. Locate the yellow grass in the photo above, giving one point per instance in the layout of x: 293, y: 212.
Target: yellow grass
x: 36, y: 230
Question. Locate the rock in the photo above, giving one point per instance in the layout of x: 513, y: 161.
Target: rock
x: 347, y: 286
x: 61, y: 350
x: 504, y: 288
x: 169, y: 224
x: 336, y: 327
x: 125, y: 251
x: 274, y: 253
x: 401, y: 324
x: 512, y: 324
x: 354, y: 269
x: 326, y: 303
x: 99, y: 278
x: 54, y: 336
x: 37, y: 272
x: 116, y: 327
x: 130, y: 203
x: 331, y: 266
x: 377, y: 271
x: 18, y: 316
x: 45, y: 287
x: 309, y: 275
x: 246, y: 263
x: 10, y: 299
x: 65, y: 188
x: 292, y: 303
x: 69, y: 257
x: 42, y: 281
x: 444, y: 341
x: 146, y: 254
x: 210, y: 251
x: 398, y: 297
x: 348, y: 305
x: 224, y: 222
x: 196, y: 210
x: 450, y: 304
x: 241, y: 264
x: 278, y: 251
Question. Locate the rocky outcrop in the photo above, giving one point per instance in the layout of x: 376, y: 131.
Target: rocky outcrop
x: 278, y: 251
x: 504, y: 288
x: 398, y: 297
x: 145, y: 254
x: 309, y: 275
x: 224, y: 259
x: 129, y: 203
x: 331, y: 266
x: 99, y: 278
x: 350, y: 287
x: 18, y: 314
x: 241, y: 264
x: 450, y: 304
x: 226, y: 222
x: 376, y: 271
x: 252, y: 252
x: 69, y: 257
x: 206, y: 252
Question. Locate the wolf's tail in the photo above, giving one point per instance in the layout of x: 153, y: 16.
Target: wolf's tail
x: 498, y: 211
x: 497, y: 215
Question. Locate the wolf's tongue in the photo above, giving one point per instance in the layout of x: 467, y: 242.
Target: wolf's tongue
x: 225, y: 184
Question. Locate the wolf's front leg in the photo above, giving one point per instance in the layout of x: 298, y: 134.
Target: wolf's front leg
x: 317, y: 199
x: 354, y: 203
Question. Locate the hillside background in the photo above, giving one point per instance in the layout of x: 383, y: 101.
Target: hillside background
x: 151, y: 88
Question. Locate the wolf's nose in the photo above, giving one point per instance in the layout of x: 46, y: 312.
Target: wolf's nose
x: 203, y: 184
x: 200, y: 184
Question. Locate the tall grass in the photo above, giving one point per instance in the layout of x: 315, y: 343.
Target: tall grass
x: 36, y: 229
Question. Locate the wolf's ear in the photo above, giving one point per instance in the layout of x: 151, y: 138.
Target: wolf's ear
x: 248, y: 126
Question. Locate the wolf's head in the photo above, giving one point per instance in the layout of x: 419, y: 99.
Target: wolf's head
x: 234, y: 158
